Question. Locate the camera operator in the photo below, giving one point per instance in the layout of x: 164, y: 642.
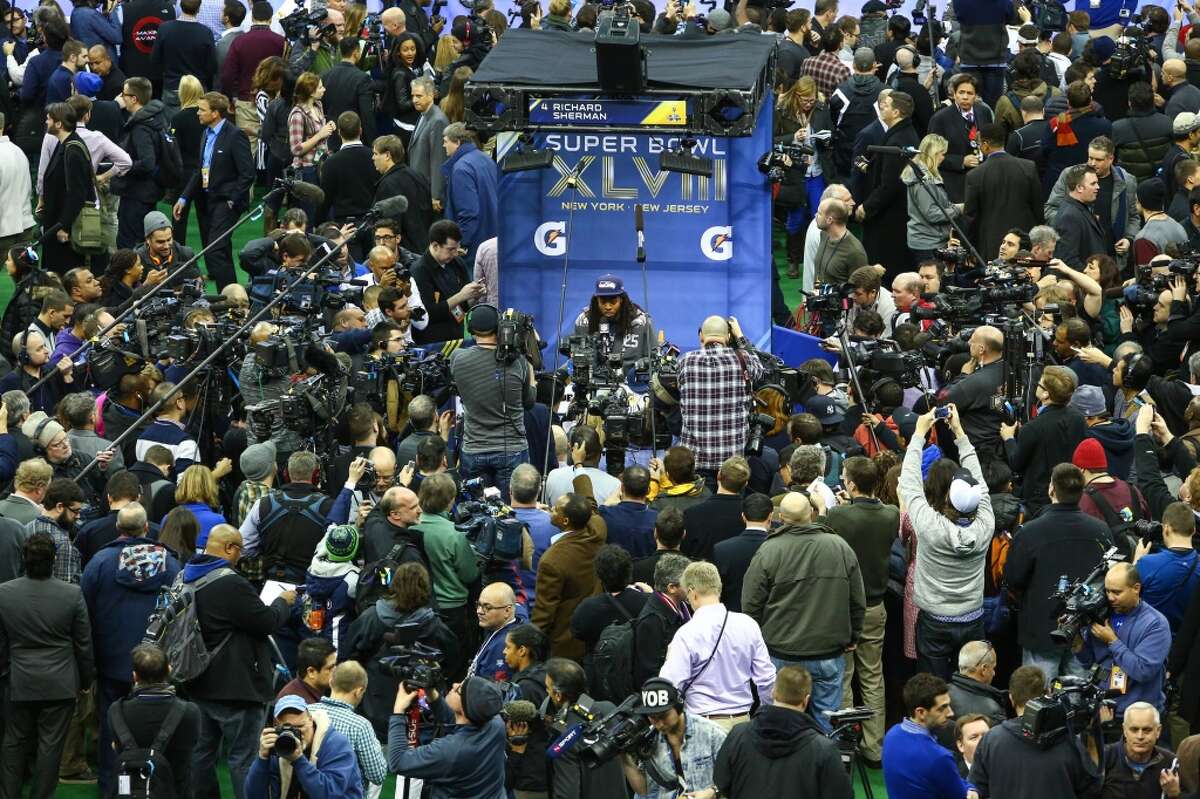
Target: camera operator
x: 715, y: 388
x: 611, y: 314
x: 1006, y: 764
x: 1169, y: 576
x: 494, y: 440
x: 782, y: 751
x: 686, y: 746
x: 303, y: 747
x: 277, y: 252
x: 317, y: 52
x: 570, y: 778
x: 1132, y: 644
x: 470, y: 759
x: 972, y: 394
x: 867, y: 281
x: 259, y: 385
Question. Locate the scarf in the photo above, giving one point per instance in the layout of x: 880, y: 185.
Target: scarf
x: 1061, y: 125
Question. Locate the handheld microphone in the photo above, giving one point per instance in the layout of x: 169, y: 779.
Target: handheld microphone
x: 639, y: 223
x: 391, y: 207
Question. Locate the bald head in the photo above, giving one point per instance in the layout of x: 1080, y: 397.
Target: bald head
x: 990, y: 338
x: 836, y: 191
x: 400, y: 506
x: 496, y: 606
x: 383, y: 459
x: 348, y: 677
x: 1174, y: 70
x: 904, y: 59
x: 393, y: 21
x: 795, y: 509
x: 715, y: 329
x: 224, y: 541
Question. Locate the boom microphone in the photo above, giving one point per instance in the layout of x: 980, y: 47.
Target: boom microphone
x: 306, y: 193
x: 390, y: 208
x: 639, y: 223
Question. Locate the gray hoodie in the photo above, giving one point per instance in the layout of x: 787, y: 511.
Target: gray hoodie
x: 950, y: 557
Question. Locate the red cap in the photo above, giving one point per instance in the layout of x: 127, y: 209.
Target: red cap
x: 1090, y: 455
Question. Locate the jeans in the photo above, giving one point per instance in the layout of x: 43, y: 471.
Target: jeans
x: 238, y: 725
x: 938, y: 643
x: 826, y: 684
x: 496, y: 466
x: 108, y: 692
x: 991, y: 82
x: 1054, y: 663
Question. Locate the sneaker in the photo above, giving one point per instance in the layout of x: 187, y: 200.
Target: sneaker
x: 85, y: 777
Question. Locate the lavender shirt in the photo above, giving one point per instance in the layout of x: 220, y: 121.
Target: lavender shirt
x: 741, y: 657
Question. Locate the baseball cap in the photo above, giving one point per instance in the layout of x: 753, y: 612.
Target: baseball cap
x: 88, y: 83
x: 965, y: 492
x: 609, y: 286
x: 290, y: 702
x: 719, y: 19
x: 1185, y: 122
x: 1103, y: 48
x: 1027, y: 34
x: 824, y: 409
x: 657, y: 695
x: 906, y: 422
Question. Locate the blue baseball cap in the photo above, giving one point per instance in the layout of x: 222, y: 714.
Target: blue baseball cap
x: 88, y: 84
x: 290, y: 702
x: 609, y: 286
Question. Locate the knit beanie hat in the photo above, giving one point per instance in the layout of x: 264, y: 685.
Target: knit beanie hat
x: 1090, y: 455
x: 41, y: 429
x: 481, y: 700
x: 257, y: 460
x: 341, y: 543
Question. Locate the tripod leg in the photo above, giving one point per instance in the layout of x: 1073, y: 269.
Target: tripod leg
x: 861, y: 768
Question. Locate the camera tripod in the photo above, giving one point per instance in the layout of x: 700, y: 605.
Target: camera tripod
x: 848, y: 738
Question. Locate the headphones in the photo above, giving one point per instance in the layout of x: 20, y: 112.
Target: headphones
x: 1127, y: 370
x: 37, y: 433
x: 916, y: 56
x: 23, y: 353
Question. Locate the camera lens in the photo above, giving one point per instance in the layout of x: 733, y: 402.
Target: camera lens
x: 287, y: 743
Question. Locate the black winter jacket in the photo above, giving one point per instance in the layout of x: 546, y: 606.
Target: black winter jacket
x: 781, y: 752
x: 139, y: 138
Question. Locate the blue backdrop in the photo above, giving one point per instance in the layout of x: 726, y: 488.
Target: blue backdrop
x: 708, y: 241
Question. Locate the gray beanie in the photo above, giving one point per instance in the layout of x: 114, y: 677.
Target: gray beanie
x: 155, y: 220
x: 257, y: 460
x: 718, y: 19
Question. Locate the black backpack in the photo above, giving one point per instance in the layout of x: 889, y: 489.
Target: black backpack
x: 145, y: 773
x: 611, y: 662
x: 857, y: 113
x: 291, y: 528
x: 169, y: 174
x: 375, y: 577
x: 1124, y: 531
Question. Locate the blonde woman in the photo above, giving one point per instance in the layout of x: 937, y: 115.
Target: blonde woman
x: 189, y: 133
x: 801, y: 112
x: 928, y: 204
x: 197, y: 491
x: 447, y: 51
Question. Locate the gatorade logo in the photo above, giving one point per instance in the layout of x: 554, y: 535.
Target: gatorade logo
x: 551, y: 238
x: 717, y: 243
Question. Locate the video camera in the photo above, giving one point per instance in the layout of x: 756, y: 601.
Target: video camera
x: 847, y: 731
x: 490, y: 526
x: 1071, y: 704
x: 598, y: 739
x: 1131, y: 60
x: 775, y: 162
x: 1083, y: 602
x: 415, y: 665
x: 297, y: 25
x: 516, y: 338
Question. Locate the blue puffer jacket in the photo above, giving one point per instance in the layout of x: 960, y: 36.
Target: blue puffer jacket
x: 335, y: 775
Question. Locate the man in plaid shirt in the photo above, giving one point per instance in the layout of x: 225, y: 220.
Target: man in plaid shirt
x: 61, y: 507
x: 715, y: 393
x: 826, y: 67
x: 346, y: 690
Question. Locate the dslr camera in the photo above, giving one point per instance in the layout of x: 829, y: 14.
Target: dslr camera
x: 288, y: 740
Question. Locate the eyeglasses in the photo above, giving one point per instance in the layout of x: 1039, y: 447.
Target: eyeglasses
x: 63, y: 444
x: 76, y: 509
x: 486, y: 608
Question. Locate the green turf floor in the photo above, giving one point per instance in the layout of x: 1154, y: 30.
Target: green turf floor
x: 253, y: 229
